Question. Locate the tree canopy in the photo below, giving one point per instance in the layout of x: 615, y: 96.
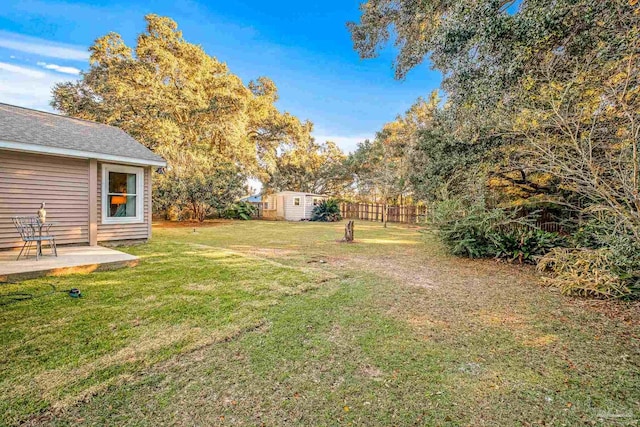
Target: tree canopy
x: 190, y: 108
x: 542, y: 111
x: 172, y: 96
x: 508, y: 67
x: 310, y: 167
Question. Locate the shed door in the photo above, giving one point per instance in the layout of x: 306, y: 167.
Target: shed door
x: 280, y: 207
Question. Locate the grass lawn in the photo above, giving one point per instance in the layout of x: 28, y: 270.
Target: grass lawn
x: 265, y: 323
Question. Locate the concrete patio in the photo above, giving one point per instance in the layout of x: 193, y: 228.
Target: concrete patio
x: 70, y: 259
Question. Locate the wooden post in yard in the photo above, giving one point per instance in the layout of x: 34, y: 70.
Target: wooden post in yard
x: 348, y: 232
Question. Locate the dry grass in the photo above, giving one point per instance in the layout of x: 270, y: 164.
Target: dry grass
x: 57, y: 351
x: 388, y: 331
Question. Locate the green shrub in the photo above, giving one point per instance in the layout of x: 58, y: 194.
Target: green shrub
x: 604, y: 263
x: 476, y: 232
x: 466, y: 233
x: 526, y: 245
x: 327, y: 211
x: 240, y: 210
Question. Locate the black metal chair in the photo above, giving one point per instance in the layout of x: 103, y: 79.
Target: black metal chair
x: 33, y: 231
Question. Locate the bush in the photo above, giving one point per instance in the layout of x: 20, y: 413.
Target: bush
x: 584, y: 272
x: 466, y: 232
x: 604, y: 262
x: 526, y: 245
x: 476, y: 232
x: 240, y: 210
x: 326, y: 211
x: 608, y: 268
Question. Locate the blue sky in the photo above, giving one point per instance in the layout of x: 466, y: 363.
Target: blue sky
x: 304, y: 47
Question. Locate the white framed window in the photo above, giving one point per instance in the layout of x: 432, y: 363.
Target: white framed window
x: 317, y: 201
x: 296, y: 201
x: 122, y: 194
x: 265, y: 206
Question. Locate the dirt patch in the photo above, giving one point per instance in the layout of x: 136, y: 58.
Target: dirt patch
x: 265, y: 252
x: 371, y: 372
x: 397, y: 269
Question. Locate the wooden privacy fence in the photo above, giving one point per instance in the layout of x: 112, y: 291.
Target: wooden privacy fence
x: 375, y: 212
x: 415, y: 214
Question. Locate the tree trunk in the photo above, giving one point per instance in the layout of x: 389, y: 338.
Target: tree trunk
x: 194, y: 209
x: 348, y: 232
x: 386, y: 214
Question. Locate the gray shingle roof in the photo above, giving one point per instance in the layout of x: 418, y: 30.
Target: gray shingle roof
x: 23, y: 125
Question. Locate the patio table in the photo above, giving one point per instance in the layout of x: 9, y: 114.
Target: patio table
x: 40, y: 226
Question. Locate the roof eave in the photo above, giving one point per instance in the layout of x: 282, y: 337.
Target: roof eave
x: 301, y: 192
x: 78, y: 154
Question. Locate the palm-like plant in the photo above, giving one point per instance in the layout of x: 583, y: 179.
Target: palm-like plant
x: 327, y: 211
x: 240, y: 210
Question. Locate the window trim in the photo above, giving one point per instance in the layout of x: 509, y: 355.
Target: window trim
x: 298, y: 199
x: 140, y: 201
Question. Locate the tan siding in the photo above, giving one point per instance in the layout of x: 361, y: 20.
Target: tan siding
x: 291, y: 211
x: 269, y: 214
x: 148, y: 201
x: 107, y: 232
x: 280, y: 213
x: 28, y: 179
x: 309, y: 206
x: 93, y: 202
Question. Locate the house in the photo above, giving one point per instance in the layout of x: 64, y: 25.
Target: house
x: 254, y: 200
x: 290, y: 205
x: 95, y: 179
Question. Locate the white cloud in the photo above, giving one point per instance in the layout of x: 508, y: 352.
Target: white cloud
x: 346, y: 143
x: 42, y: 47
x: 27, y: 87
x: 60, y: 68
x: 16, y: 69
